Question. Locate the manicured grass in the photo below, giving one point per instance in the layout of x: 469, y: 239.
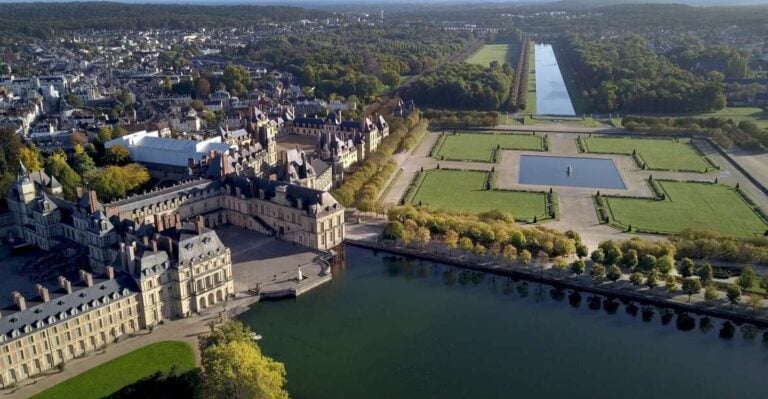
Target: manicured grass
x: 530, y: 105
x: 662, y: 154
x: 503, y: 53
x: 110, y: 377
x: 699, y: 206
x: 480, y: 146
x: 464, y: 191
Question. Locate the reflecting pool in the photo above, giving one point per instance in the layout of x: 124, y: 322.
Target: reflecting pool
x: 570, y: 171
x: 387, y: 327
x: 551, y: 94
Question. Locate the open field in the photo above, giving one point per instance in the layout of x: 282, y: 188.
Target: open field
x: 757, y: 115
x: 660, y: 154
x: 110, y: 377
x: 465, y: 191
x: 699, y: 206
x: 503, y: 53
x: 481, y: 146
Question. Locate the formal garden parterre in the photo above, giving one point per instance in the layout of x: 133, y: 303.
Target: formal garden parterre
x: 484, y: 146
x: 682, y: 205
x: 651, y: 153
x: 472, y: 191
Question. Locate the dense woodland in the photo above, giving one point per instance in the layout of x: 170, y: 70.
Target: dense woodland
x: 467, y: 86
x: 623, y: 74
x: 47, y: 20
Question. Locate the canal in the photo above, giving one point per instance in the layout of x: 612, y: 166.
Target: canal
x: 551, y: 94
x: 387, y: 327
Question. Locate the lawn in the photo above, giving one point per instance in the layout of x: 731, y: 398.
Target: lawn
x: 503, y: 53
x: 661, y: 154
x: 480, y: 146
x: 464, y: 191
x: 125, y: 370
x: 699, y: 206
x: 738, y: 114
x: 530, y: 105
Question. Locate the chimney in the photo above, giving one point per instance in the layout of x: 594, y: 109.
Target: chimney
x: 153, y: 243
x: 43, y: 292
x: 178, y: 221
x: 131, y: 253
x: 19, y: 300
x: 92, y: 201
x: 199, y: 224
x: 168, y: 246
x: 145, y: 241
x: 65, y: 284
x: 110, y: 272
x: 159, y: 225
x: 86, y: 277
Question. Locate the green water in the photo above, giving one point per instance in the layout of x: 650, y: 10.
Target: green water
x: 390, y: 328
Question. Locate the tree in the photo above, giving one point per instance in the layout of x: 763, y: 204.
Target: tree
x: 83, y: 162
x: 670, y: 283
x: 466, y: 244
x: 706, y: 274
x: 636, y: 279
x: 733, y: 293
x: 509, y: 252
x: 202, y: 88
x: 56, y: 165
x: 394, y: 230
x: 578, y: 267
x: 614, y: 273
x: 630, y: 260
x: 598, y: 256
x: 691, y: 286
x: 451, y: 239
x: 423, y: 236
x: 526, y: 257
x: 612, y: 253
x: 115, y: 182
x: 582, y: 251
x: 598, y: 271
x: 560, y: 265
x: 710, y: 292
x: 479, y: 250
x: 238, y: 370
x: 31, y: 159
x: 390, y: 78
x: 648, y: 263
x: 665, y: 264
x: 748, y: 278
x: 117, y: 155
x: 764, y: 282
x: 653, y: 279
x: 686, y: 267
x: 754, y: 301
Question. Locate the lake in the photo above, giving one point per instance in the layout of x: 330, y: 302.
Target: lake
x: 551, y: 94
x: 387, y: 327
x: 585, y: 172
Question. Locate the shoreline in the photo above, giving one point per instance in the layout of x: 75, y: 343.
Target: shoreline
x: 623, y: 291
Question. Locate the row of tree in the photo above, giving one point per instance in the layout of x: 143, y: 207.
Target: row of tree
x: 489, y: 232
x: 362, y: 188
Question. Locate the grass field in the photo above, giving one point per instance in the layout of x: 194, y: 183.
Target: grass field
x: 503, y: 53
x: 738, y: 114
x: 480, y: 146
x: 465, y: 191
x: 697, y: 206
x: 663, y: 154
x: 110, y: 377
x: 530, y: 105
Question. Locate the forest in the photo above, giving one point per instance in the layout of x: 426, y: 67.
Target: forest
x: 47, y: 20
x: 465, y: 86
x: 624, y: 75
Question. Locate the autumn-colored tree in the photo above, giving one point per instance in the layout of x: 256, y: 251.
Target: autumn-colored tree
x: 117, y: 155
x: 56, y: 166
x: 31, y: 159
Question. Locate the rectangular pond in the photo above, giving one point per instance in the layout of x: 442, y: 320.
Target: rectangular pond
x: 570, y: 171
x: 551, y: 94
